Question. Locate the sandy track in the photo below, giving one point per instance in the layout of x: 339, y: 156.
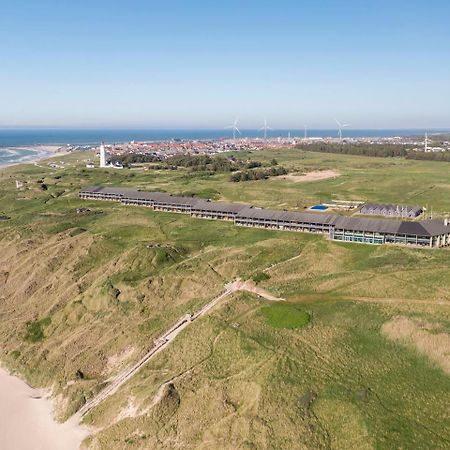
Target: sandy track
x: 316, y: 175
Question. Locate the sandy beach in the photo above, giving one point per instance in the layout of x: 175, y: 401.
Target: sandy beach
x: 48, y: 148
x: 26, y: 420
x: 41, y: 152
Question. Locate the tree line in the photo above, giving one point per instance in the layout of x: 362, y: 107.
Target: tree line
x: 376, y: 150
x: 194, y: 163
x: 207, y: 163
x: 257, y: 174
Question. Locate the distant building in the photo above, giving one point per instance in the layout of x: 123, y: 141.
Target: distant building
x: 116, y: 165
x: 403, y: 211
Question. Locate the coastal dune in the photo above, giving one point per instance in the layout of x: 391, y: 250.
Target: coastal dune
x: 26, y: 420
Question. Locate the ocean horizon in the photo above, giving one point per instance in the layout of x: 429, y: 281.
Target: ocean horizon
x: 21, y: 145
x: 20, y: 137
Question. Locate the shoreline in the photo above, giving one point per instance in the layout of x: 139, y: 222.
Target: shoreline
x: 26, y: 419
x: 43, y: 152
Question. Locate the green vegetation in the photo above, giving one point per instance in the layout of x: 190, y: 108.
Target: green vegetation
x: 282, y: 315
x: 261, y: 174
x: 429, y: 156
x: 35, y: 330
x: 210, y: 163
x: 195, y: 163
x: 379, y: 150
x: 15, y: 354
x: 260, y: 276
x: 249, y: 374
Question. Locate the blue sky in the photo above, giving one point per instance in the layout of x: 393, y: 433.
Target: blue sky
x: 198, y: 64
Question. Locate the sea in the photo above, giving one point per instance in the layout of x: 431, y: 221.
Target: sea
x: 21, y: 144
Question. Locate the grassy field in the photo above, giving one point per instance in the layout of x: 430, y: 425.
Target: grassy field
x: 282, y: 315
x: 357, y: 357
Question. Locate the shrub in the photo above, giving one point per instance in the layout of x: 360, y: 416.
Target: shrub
x: 260, y: 276
x: 35, y: 330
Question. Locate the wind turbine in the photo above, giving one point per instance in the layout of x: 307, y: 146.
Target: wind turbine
x: 234, y: 128
x: 265, y: 128
x: 306, y: 131
x: 340, y: 127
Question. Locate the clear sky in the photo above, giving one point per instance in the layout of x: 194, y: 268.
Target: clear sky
x: 199, y: 63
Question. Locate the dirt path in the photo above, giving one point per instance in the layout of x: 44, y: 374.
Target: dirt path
x: 316, y: 175
x: 268, y: 269
x: 250, y: 286
x: 165, y: 339
x: 410, y: 301
x: 319, y: 297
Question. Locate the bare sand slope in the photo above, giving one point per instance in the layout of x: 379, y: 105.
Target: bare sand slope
x: 316, y: 175
x: 26, y: 420
x: 425, y: 337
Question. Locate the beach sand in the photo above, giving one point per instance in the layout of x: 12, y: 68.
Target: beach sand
x: 26, y: 420
x: 43, y: 152
x: 48, y: 148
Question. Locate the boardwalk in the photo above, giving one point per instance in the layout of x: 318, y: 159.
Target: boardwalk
x: 169, y: 335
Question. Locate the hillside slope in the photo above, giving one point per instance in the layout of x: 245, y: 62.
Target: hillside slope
x: 85, y: 294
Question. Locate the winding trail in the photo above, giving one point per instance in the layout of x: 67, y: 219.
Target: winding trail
x: 169, y: 335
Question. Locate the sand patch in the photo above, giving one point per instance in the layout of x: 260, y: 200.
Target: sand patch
x: 26, y: 420
x: 423, y: 336
x: 131, y: 410
x: 316, y: 175
x: 116, y: 362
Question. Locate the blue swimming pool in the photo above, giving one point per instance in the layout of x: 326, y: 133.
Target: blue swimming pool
x: 319, y: 208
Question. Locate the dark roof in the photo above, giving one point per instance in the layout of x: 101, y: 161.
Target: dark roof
x: 205, y: 205
x: 174, y: 200
x: 423, y: 228
x: 399, y: 208
x: 287, y: 216
x: 142, y: 195
x: 434, y: 227
x: 369, y: 225
x: 159, y: 196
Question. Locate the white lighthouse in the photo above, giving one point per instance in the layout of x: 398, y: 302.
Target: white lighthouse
x: 102, y: 155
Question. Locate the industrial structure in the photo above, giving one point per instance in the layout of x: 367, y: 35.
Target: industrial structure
x: 426, y: 233
x: 403, y: 211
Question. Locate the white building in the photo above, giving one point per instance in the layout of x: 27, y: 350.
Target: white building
x: 102, y: 155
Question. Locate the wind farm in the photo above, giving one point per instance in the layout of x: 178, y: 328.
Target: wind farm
x: 341, y: 126
x: 234, y: 128
x: 265, y: 128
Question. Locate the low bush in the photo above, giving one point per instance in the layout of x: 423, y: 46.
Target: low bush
x: 35, y: 330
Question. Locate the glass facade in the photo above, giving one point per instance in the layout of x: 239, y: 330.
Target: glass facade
x: 358, y: 237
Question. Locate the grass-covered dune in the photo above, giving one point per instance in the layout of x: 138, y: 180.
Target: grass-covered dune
x: 356, y: 357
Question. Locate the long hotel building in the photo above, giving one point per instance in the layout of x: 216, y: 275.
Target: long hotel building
x: 426, y: 233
